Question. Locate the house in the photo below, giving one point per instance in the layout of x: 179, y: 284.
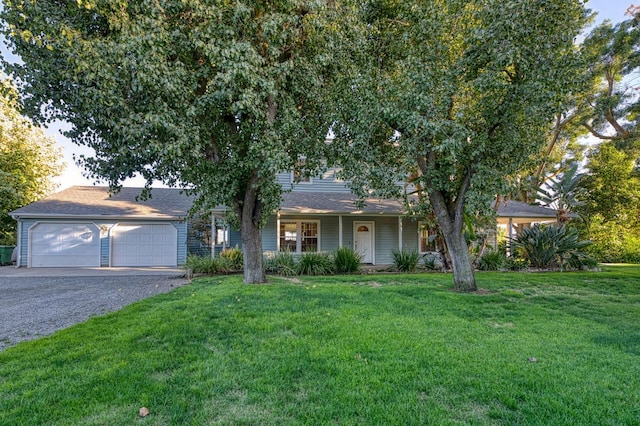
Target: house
x: 84, y: 226
x: 320, y: 214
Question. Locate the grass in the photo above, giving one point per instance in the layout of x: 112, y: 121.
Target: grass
x: 535, y: 349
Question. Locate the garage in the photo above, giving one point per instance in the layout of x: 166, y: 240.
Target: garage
x: 144, y: 245
x: 64, y: 245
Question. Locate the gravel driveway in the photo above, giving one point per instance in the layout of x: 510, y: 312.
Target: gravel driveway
x: 31, y: 307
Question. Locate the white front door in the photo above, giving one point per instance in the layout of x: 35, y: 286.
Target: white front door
x: 363, y: 240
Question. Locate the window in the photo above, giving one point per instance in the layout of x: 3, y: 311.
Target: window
x: 299, y: 236
x: 426, y: 238
x: 221, y: 234
x: 297, y: 174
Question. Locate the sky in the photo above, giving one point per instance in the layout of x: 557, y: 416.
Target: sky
x: 613, y: 10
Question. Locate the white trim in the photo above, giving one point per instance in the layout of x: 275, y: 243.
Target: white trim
x: 123, y: 224
x: 54, y: 222
x: 300, y: 182
x: 298, y: 223
x: 399, y: 232
x: 278, y: 232
x: 372, y: 230
x: 19, y: 245
x: 339, y: 230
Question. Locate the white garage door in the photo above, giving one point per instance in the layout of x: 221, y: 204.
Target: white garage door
x: 144, y: 245
x: 65, y: 244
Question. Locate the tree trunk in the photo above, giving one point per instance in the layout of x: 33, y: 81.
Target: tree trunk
x: 463, y: 278
x: 252, y: 252
x: 249, y: 212
x: 450, y: 217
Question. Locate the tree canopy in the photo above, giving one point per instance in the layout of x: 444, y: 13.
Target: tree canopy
x: 213, y: 95
x: 458, y: 95
x: 29, y: 160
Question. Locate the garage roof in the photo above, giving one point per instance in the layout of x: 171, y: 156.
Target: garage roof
x: 96, y: 202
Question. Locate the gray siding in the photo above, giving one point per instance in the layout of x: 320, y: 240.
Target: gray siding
x: 409, y: 234
x: 182, y: 241
x: 325, y: 182
x: 270, y: 234
x: 386, y: 239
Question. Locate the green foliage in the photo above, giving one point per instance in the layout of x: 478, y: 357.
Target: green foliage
x: 553, y: 246
x: 405, y: 260
x: 216, y: 96
x: 613, y: 242
x: 231, y: 258
x: 564, y: 192
x: 610, y: 108
x: 281, y: 263
x: 29, y: 160
x: 492, y: 261
x: 203, y: 265
x: 314, y: 263
x: 346, y: 260
x: 431, y: 98
x: 517, y: 263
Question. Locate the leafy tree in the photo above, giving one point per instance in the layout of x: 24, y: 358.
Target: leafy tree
x: 612, y: 204
x: 29, y: 160
x: 457, y: 94
x: 214, y: 95
x: 610, y: 109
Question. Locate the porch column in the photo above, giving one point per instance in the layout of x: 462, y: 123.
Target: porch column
x: 339, y: 230
x: 278, y: 232
x: 213, y: 235
x: 510, y: 236
x: 400, y: 233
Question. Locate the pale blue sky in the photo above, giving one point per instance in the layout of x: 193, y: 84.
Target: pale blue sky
x: 613, y: 10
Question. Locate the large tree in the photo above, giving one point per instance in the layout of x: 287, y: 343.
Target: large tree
x: 457, y: 94
x: 29, y: 160
x: 214, y: 95
x: 610, y: 111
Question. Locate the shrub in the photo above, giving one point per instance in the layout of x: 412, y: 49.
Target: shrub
x: 517, y: 263
x: 281, y: 263
x: 202, y: 265
x: 492, y: 261
x: 314, y: 263
x: 405, y: 260
x: 231, y: 259
x: 553, y: 246
x: 346, y: 260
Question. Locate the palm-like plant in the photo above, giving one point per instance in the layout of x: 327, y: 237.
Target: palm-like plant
x: 563, y: 193
x: 553, y: 246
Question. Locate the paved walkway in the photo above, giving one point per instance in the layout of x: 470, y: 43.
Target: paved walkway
x: 12, y: 271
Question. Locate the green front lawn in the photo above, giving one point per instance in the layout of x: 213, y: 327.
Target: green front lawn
x: 531, y: 348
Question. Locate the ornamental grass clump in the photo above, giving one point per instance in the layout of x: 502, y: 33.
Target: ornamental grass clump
x: 405, y: 260
x: 346, y: 260
x: 231, y: 259
x: 492, y: 260
x: 282, y: 263
x: 314, y: 263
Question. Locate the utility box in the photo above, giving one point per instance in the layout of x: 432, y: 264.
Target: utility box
x: 5, y: 254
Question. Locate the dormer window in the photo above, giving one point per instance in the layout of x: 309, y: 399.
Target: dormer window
x: 297, y: 176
